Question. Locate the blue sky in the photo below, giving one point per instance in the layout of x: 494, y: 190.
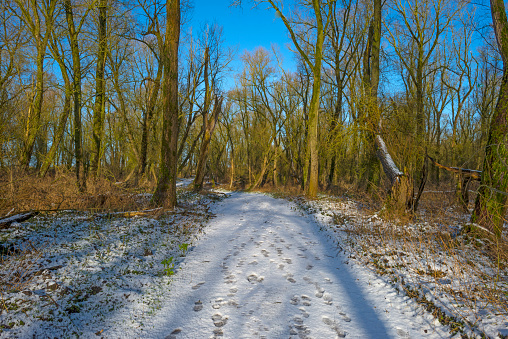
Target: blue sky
x: 246, y: 28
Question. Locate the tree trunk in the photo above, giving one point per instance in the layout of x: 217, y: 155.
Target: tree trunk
x: 490, y: 206
x: 62, y: 123
x: 275, y: 164
x: 100, y: 95
x: 401, y: 192
x: 207, y: 137
x: 165, y: 193
x: 147, y: 119
x: 59, y: 132
x: 370, y: 176
x: 76, y: 89
x: 34, y: 115
x: 314, y: 105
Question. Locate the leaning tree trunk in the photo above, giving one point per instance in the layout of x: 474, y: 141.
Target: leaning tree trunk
x: 490, y: 206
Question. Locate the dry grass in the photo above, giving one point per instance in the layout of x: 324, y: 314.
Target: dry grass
x: 59, y: 192
x: 456, y: 272
x: 19, y: 267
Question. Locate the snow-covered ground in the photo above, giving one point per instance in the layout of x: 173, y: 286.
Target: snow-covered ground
x: 248, y: 266
x: 265, y: 270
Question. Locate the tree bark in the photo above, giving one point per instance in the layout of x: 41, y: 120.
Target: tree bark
x: 147, y: 120
x: 165, y: 193
x: 100, y: 86
x: 207, y: 137
x: 490, y: 205
x: 76, y: 90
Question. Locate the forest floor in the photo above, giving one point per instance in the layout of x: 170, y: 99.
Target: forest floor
x: 248, y: 265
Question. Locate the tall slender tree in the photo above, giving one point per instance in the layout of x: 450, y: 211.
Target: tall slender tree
x: 100, y: 86
x: 76, y: 90
x: 165, y: 193
x: 314, y: 61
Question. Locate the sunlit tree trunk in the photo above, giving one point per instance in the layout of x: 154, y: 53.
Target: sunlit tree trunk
x: 147, y: 120
x: 165, y: 193
x: 315, y: 65
x: 76, y: 90
x: 490, y: 206
x: 100, y: 86
x: 207, y: 137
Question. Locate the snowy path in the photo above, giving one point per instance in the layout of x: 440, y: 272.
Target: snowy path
x: 265, y: 271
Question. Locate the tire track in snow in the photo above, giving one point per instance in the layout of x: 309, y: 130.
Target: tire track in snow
x: 265, y: 271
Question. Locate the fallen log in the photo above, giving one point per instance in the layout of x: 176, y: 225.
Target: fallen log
x: 473, y: 174
x: 6, y: 222
x: 132, y: 214
x: 464, y: 178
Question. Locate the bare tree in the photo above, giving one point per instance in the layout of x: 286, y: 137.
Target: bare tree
x: 165, y: 193
x: 39, y: 18
x: 100, y: 95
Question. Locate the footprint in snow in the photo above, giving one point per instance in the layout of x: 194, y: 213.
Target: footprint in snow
x: 253, y: 278
x: 401, y: 333
x: 198, y: 306
x: 299, y: 328
x: 230, y: 279
x: 219, y: 320
x: 217, y: 333
x: 173, y: 335
x: 265, y: 253
x: 198, y: 285
x: 304, y: 312
x: 218, y: 303
x: 334, y: 326
x: 289, y: 277
x: 232, y: 291
x: 344, y: 316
